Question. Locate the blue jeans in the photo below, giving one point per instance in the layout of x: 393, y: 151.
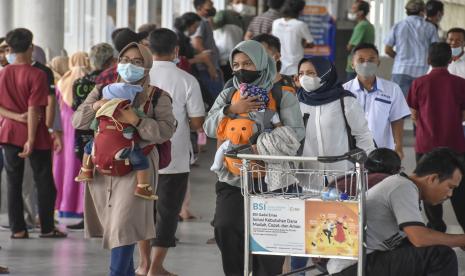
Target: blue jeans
x: 138, y: 160
x: 297, y: 263
x: 404, y: 81
x: 122, y: 261
x: 88, y: 147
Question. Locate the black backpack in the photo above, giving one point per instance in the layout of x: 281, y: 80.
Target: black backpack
x: 81, y: 89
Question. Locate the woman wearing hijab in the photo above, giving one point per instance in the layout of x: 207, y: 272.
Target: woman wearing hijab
x: 65, y: 164
x: 59, y: 66
x: 326, y: 132
x: 252, y: 65
x: 111, y: 209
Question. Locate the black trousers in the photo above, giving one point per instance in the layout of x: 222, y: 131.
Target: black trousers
x: 229, y: 235
x: 41, y: 163
x: 434, y: 213
x: 409, y: 260
x: 171, y: 190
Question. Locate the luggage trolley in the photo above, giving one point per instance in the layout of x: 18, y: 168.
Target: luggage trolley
x: 316, y: 213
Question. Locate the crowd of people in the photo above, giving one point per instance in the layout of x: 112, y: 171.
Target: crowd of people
x: 107, y: 132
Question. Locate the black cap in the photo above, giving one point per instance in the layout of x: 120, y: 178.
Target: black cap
x: 126, y: 36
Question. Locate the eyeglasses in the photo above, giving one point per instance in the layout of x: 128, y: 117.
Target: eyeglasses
x: 135, y: 61
x: 311, y: 74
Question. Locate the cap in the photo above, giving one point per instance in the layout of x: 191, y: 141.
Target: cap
x: 126, y: 36
x: 100, y: 54
x: 415, y: 6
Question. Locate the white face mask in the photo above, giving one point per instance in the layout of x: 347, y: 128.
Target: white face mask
x: 239, y: 8
x: 309, y: 83
x: 351, y: 16
x: 366, y: 69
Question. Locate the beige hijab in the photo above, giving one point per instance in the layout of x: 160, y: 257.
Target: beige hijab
x: 144, y: 82
x: 59, y: 66
x: 79, y: 66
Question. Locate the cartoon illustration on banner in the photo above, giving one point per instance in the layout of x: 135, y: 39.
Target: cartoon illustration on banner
x: 331, y: 228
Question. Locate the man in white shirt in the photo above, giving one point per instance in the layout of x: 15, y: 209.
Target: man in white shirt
x: 293, y: 34
x: 189, y: 110
x: 456, y: 40
x: 382, y: 100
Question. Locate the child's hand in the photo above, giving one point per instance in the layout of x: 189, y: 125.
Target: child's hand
x: 245, y: 105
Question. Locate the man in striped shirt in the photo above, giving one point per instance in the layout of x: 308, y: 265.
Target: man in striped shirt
x: 262, y: 24
x: 411, y: 38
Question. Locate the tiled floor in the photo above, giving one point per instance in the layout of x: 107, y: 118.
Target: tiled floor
x: 76, y: 256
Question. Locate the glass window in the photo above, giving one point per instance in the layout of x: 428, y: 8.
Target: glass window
x: 89, y: 25
x: 132, y: 14
x: 111, y: 18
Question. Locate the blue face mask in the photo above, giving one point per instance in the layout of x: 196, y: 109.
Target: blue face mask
x: 130, y: 72
x: 11, y: 58
x: 456, y: 51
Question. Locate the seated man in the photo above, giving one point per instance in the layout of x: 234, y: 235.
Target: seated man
x: 397, y: 240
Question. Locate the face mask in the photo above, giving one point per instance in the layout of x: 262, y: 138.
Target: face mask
x: 130, y: 72
x: 278, y: 66
x: 310, y: 84
x: 211, y: 12
x: 176, y: 60
x: 456, y: 51
x: 246, y: 76
x: 238, y: 7
x: 366, y: 69
x: 439, y: 18
x: 352, y: 16
x: 11, y: 58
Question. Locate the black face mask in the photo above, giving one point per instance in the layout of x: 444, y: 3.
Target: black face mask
x: 246, y: 76
x: 211, y: 12
x: 278, y: 66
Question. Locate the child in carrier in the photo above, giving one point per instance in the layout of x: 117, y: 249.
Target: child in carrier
x: 237, y: 131
x: 120, y: 96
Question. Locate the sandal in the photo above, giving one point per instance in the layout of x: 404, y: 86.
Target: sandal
x: 22, y: 237
x: 85, y: 175
x: 55, y: 234
x: 4, y: 270
x: 145, y: 191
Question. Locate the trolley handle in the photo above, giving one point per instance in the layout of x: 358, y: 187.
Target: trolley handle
x: 237, y: 151
x: 355, y: 156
